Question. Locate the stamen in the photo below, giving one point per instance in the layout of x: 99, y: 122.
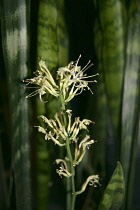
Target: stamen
x: 78, y: 60
x: 94, y: 75
x: 33, y: 94
x: 86, y: 66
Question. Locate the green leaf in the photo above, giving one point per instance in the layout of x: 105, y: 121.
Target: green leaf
x: 47, y: 49
x: 52, y: 47
x: 111, y: 19
x: 131, y: 98
x: 15, y: 50
x: 47, y: 45
x: 98, y: 102
x: 62, y: 35
x: 114, y: 192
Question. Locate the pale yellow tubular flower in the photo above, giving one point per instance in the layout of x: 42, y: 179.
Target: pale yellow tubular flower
x: 75, y: 129
x: 81, y: 149
x: 58, y: 120
x: 78, y: 125
x: 84, y: 140
x: 41, y: 129
x: 77, y: 77
x: 55, y: 127
x: 47, y: 85
x: 72, y: 93
x: 67, y: 81
x: 45, y: 82
x: 74, y: 133
x: 76, y: 154
x: 61, y: 134
x: 58, y: 161
x: 44, y: 68
x: 84, y: 123
x: 50, y: 136
x: 52, y: 124
x: 69, y: 120
x: 61, y: 126
x: 64, y: 89
x: 45, y: 119
x: 57, y: 130
x: 38, y: 81
x: 76, y: 122
x: 91, y: 180
x: 78, y: 157
x: 64, y: 80
x: 62, y: 72
x: 63, y: 171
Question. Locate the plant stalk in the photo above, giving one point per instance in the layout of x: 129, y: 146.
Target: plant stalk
x: 71, y: 197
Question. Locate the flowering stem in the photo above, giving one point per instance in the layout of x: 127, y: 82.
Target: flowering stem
x: 71, y: 196
x: 72, y: 81
x: 72, y: 171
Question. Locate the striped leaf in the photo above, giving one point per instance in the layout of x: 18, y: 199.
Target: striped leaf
x: 111, y: 19
x: 15, y: 51
x: 114, y: 192
x: 5, y: 152
x: 62, y: 35
x: 4, y: 199
x: 52, y: 46
x: 47, y: 46
x: 100, y: 101
x: 119, y: 38
x: 130, y: 99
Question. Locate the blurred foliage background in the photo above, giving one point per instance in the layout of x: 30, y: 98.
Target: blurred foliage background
x: 108, y: 34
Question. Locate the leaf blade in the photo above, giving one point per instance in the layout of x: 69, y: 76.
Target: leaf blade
x: 114, y: 192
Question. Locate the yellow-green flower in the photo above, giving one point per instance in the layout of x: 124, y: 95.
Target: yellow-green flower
x: 59, y: 132
x: 72, y: 80
x: 63, y: 170
x: 44, y: 81
x: 91, y: 180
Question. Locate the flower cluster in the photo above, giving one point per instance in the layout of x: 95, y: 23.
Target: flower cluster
x: 71, y: 79
x: 59, y: 132
x: 44, y: 81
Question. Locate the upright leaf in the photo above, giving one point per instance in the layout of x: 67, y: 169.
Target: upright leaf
x: 134, y: 189
x: 47, y: 33
x: 15, y: 50
x: 100, y: 101
x: 111, y: 17
x: 130, y: 100
x: 114, y: 192
x: 52, y: 47
x: 62, y: 35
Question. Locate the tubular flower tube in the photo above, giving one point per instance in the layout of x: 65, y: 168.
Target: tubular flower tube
x: 80, y: 149
x: 63, y: 168
x: 91, y: 180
